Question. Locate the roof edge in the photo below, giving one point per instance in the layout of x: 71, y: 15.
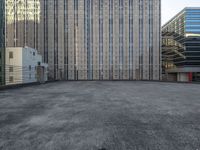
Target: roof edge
x: 179, y: 13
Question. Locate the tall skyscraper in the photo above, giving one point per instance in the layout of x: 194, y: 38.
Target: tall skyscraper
x: 90, y: 39
x: 2, y: 43
x: 22, y: 23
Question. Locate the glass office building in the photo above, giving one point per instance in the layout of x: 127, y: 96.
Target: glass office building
x: 90, y: 39
x: 22, y: 23
x: 181, y: 43
x: 2, y: 43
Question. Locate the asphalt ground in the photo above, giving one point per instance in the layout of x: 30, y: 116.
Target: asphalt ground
x: 101, y: 115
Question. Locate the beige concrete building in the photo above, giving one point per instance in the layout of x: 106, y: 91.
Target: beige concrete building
x: 22, y: 65
x: 90, y: 39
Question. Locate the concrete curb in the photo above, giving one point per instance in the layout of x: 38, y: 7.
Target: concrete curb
x: 37, y: 83
x: 15, y: 86
x: 129, y: 81
x: 5, y: 87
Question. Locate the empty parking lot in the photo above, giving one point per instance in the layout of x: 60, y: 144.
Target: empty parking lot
x: 94, y: 115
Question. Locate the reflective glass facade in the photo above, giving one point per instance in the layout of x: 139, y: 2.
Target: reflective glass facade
x: 181, y: 40
x: 2, y: 43
x: 22, y: 23
x: 90, y: 39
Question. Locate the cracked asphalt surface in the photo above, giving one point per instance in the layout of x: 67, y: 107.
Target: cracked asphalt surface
x: 101, y: 115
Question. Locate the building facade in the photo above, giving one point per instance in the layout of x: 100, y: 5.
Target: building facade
x: 90, y: 39
x: 2, y: 43
x: 22, y: 65
x: 181, y: 45
x: 22, y: 23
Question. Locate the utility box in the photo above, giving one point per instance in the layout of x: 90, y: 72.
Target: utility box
x: 42, y: 73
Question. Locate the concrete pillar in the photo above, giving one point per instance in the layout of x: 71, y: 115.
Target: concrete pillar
x: 40, y: 74
x: 183, y: 77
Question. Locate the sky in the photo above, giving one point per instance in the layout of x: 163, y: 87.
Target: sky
x: 171, y: 7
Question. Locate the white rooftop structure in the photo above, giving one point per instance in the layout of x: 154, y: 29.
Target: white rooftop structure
x: 21, y: 65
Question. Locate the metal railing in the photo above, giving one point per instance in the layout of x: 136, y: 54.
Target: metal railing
x: 19, y: 75
x: 13, y: 75
x: 105, y: 72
